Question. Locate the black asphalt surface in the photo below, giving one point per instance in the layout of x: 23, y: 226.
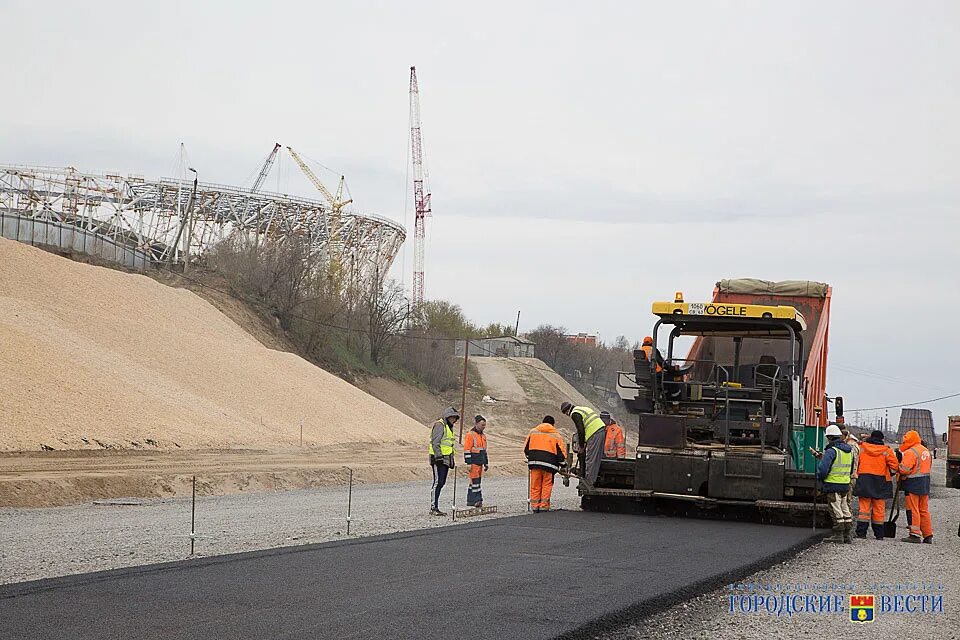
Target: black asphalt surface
x: 534, y: 576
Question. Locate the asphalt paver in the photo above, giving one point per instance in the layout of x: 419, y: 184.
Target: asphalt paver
x: 563, y: 573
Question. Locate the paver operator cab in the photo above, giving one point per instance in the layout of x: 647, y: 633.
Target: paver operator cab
x: 725, y: 424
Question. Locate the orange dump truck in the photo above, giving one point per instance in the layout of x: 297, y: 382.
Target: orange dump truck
x: 953, y: 452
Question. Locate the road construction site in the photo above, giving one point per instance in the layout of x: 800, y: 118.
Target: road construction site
x: 114, y: 412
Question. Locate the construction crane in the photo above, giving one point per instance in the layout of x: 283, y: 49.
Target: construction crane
x: 421, y: 195
x: 266, y: 168
x: 335, y: 202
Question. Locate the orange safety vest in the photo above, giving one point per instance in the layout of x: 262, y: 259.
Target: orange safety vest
x: 876, y: 460
x: 615, y: 444
x: 915, y: 470
x: 475, y: 448
x: 648, y: 349
x: 544, y: 448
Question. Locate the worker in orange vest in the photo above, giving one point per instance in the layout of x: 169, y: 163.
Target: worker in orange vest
x: 873, y: 485
x: 652, y: 356
x: 475, y: 455
x: 915, y: 480
x: 544, y: 451
x: 615, y: 445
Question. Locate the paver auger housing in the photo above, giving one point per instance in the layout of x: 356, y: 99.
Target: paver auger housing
x: 725, y: 425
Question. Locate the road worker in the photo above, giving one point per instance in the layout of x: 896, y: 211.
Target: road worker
x: 652, y: 355
x: 442, y: 441
x: 915, y: 481
x: 475, y: 455
x: 834, y: 471
x: 873, y: 485
x: 591, y: 436
x: 614, y: 445
x: 544, y: 451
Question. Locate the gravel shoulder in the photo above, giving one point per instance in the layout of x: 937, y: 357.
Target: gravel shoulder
x: 866, y: 567
x: 43, y: 543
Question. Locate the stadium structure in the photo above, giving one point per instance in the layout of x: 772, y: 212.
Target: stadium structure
x: 142, y: 223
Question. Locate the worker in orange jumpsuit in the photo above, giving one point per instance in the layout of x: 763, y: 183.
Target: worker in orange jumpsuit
x: 615, y: 445
x: 873, y: 485
x: 915, y: 480
x: 475, y: 455
x: 544, y: 451
x: 652, y: 356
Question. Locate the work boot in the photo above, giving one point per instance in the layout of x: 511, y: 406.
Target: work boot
x: 912, y: 538
x: 928, y: 539
x: 847, y: 539
x: 837, y: 536
x: 436, y: 512
x: 861, y: 529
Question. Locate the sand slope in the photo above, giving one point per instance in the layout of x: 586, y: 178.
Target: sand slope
x: 95, y: 358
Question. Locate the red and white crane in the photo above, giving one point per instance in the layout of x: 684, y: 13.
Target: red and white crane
x: 421, y: 194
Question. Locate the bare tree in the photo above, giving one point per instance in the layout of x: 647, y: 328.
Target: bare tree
x: 386, y: 310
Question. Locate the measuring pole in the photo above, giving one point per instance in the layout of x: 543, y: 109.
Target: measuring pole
x: 301, y: 433
x: 193, y: 516
x: 349, y: 501
x: 463, y: 407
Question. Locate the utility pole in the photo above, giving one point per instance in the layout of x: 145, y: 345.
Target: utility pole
x: 421, y: 194
x: 188, y: 238
x: 516, y: 331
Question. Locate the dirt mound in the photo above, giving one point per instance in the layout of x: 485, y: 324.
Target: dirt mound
x: 95, y: 358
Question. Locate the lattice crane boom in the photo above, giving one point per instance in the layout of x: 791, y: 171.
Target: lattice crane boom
x: 266, y: 168
x: 421, y: 194
x: 335, y: 202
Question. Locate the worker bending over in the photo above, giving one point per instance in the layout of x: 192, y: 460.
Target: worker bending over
x: 614, y: 445
x: 544, y: 451
x: 591, y: 435
x: 834, y: 472
x: 475, y: 455
x: 874, y: 486
x: 915, y: 480
x: 442, y: 441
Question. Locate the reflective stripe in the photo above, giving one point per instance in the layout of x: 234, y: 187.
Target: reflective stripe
x: 840, y: 469
x: 545, y: 465
x: 591, y: 421
x: 446, y: 442
x: 914, y: 470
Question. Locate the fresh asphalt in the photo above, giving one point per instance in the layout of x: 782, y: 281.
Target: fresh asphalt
x: 546, y: 575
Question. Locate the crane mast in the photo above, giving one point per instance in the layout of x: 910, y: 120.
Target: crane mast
x: 266, y: 168
x: 421, y: 196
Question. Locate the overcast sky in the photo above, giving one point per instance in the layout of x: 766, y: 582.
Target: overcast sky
x: 585, y: 158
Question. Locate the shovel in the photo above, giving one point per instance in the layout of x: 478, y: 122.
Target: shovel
x: 890, y: 526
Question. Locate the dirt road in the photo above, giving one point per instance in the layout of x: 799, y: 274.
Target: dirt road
x: 52, y: 478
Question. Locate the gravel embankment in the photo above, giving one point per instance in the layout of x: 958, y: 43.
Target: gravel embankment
x: 866, y: 567
x: 41, y: 543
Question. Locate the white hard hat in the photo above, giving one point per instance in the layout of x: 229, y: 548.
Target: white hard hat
x: 833, y: 430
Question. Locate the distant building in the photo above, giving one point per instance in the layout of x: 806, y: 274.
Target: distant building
x: 582, y: 338
x: 509, y: 346
x: 919, y: 420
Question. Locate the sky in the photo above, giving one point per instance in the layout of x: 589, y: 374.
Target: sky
x: 585, y: 159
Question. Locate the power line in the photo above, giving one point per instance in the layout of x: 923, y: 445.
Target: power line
x: 909, y: 404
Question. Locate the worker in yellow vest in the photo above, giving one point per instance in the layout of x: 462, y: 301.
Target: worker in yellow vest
x: 442, y: 441
x: 834, y: 472
x: 591, y: 435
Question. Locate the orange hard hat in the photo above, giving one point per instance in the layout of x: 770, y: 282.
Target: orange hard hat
x: 647, y: 341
